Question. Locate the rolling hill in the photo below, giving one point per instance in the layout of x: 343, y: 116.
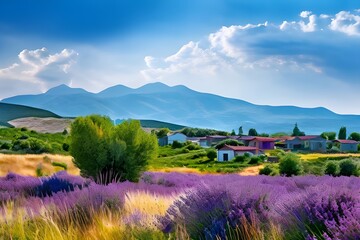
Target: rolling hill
x: 184, y: 106
x: 10, y: 112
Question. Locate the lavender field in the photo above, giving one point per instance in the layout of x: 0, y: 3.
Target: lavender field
x: 180, y: 206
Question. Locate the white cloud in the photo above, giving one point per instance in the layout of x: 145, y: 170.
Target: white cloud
x: 305, y: 14
x: 287, y: 25
x: 347, y: 23
x: 324, y: 16
x: 311, y: 25
x: 39, y: 66
x: 231, y: 49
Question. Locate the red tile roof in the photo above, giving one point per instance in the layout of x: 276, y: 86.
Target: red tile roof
x: 343, y: 141
x: 308, y: 137
x: 238, y: 148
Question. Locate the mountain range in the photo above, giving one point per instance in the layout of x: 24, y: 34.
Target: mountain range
x: 181, y: 105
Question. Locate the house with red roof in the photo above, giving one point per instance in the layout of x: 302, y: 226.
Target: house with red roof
x: 312, y: 143
x: 346, y: 145
x: 227, y: 152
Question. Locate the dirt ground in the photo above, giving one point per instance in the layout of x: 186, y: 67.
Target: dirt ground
x: 43, y: 125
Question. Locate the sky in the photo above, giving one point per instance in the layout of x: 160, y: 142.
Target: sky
x: 280, y: 52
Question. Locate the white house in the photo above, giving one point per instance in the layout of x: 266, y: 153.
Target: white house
x: 227, y: 152
x: 347, y: 145
x: 176, y: 137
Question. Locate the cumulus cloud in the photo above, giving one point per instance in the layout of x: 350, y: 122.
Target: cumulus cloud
x: 266, y: 47
x: 311, y: 25
x: 41, y: 67
x: 347, y: 23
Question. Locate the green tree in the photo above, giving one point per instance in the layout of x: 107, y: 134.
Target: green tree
x: 342, y: 133
x: 162, y: 132
x: 290, y: 164
x: 297, y: 132
x: 233, y: 133
x: 328, y: 135
x: 211, y: 154
x: 252, y: 132
x: 241, y: 132
x: 105, y: 152
x: 354, y: 136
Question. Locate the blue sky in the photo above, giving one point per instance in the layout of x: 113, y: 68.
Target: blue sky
x: 281, y: 52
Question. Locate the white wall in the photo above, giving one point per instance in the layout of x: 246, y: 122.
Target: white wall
x: 176, y: 137
x: 221, y: 153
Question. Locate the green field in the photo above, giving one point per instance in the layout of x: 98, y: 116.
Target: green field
x: 197, y: 160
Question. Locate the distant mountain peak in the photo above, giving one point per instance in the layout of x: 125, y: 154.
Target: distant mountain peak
x: 64, y: 89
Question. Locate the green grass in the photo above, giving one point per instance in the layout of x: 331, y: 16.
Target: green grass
x: 9, y: 135
x: 12, y: 111
x: 195, y: 159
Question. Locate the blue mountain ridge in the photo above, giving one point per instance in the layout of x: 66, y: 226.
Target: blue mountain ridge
x: 181, y: 105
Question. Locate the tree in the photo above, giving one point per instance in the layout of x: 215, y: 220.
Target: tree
x: 252, y: 132
x: 106, y: 152
x: 241, y: 132
x: 230, y: 142
x: 297, y: 132
x: 355, y: 136
x: 211, y: 154
x: 290, y: 164
x: 342, y: 133
x: 233, y: 133
x: 162, y: 132
x: 328, y: 135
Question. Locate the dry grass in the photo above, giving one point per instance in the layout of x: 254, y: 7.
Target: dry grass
x: 251, y: 171
x: 313, y: 156
x: 179, y: 170
x: 26, y: 164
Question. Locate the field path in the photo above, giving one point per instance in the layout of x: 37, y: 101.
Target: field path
x: 251, y: 171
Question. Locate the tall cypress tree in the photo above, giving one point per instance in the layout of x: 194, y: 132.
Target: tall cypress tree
x: 342, y: 133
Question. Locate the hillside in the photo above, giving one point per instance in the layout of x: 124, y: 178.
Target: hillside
x: 186, y: 107
x: 12, y: 111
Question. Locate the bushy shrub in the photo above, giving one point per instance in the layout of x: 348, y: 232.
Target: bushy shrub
x: 290, y: 164
x: 211, y: 154
x: 65, y: 147
x: 254, y: 160
x: 193, y: 146
x: 23, y: 137
x: 267, y: 170
x: 241, y: 158
x: 177, y: 144
x: 332, y: 168
x: 5, y: 146
x: 348, y: 167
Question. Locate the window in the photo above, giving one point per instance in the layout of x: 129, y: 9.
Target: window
x: 226, y: 157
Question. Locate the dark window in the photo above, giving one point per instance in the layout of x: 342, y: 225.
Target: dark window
x: 226, y: 157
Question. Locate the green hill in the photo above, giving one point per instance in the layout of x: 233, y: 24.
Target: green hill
x: 12, y: 111
x: 159, y: 124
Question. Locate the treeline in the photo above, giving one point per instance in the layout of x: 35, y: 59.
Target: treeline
x: 200, y: 132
